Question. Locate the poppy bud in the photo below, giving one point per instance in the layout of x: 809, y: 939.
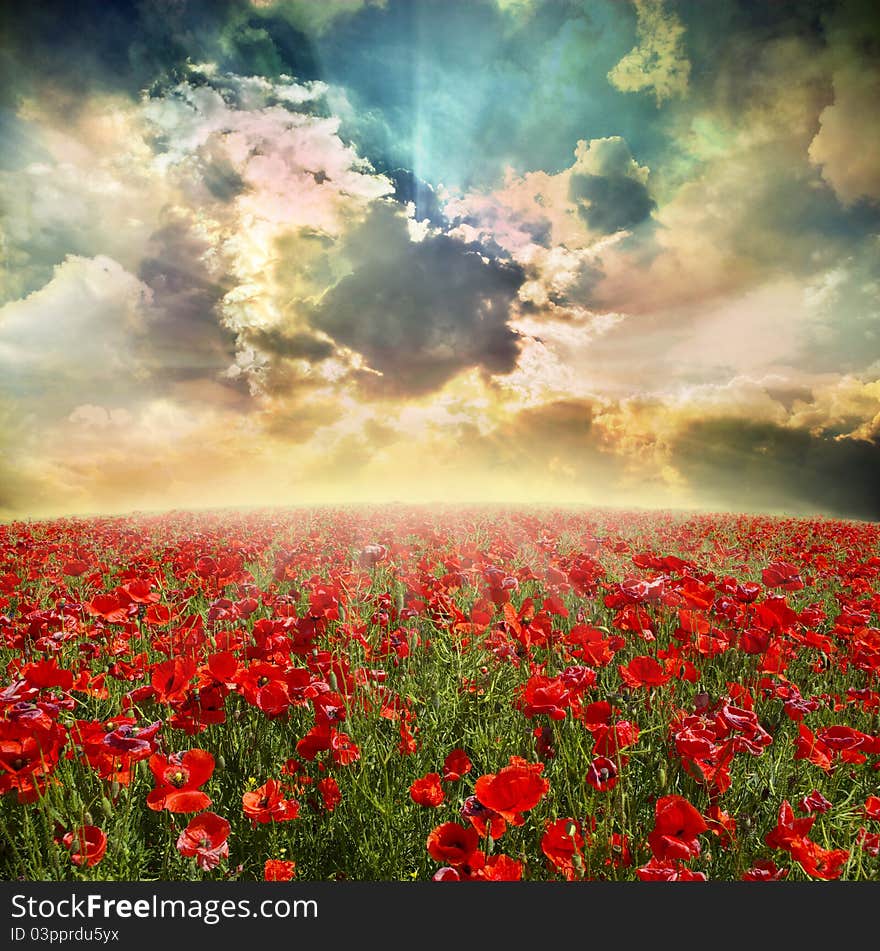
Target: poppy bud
x: 221, y: 761
x: 661, y: 777
x: 106, y: 807
x: 331, y: 680
x: 87, y: 816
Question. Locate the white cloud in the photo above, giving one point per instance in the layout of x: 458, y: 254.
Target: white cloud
x: 79, y: 332
x: 659, y: 62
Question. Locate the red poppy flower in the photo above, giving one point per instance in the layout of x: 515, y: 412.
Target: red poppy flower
x: 545, y: 695
x: 330, y: 794
x: 87, y: 845
x: 620, y: 854
x: 814, y: 802
x: 781, y: 574
x: 110, y: 608
x: 843, y: 738
x: 764, y: 870
x: 486, y: 821
x: 676, y: 827
x: 343, y: 750
x: 278, y: 870
x: 427, y: 791
x: 512, y: 790
x: 315, y: 741
x: 825, y: 864
x: 788, y: 829
x: 28, y: 755
x: 408, y: 743
x: 456, y: 765
x: 602, y: 774
x: 170, y: 680
x: 501, y: 868
x: 869, y: 841
x: 590, y: 644
x: 563, y: 844
x: 178, y: 778
x: 452, y: 844
x: 610, y: 740
x: 596, y: 715
x: 722, y: 824
x: 667, y: 871
x: 544, y: 746
x: 75, y: 567
x: 265, y: 686
x: 872, y: 807
x: 268, y: 804
x: 47, y: 673
x: 643, y: 672
x: 205, y: 838
x: 812, y: 749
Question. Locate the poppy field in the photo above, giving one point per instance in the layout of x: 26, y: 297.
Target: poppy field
x: 405, y: 693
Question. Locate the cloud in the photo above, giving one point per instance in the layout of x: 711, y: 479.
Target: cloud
x: 291, y: 190
x: 848, y: 406
x: 420, y: 311
x: 186, y: 338
x: 609, y: 187
x: 846, y: 142
x: 458, y: 91
x: 747, y: 465
x: 846, y: 147
x: 558, y: 227
x: 659, y: 62
x: 842, y: 331
x: 77, y: 337
x: 316, y: 17
x: 271, y: 250
x: 88, y: 189
x: 290, y: 346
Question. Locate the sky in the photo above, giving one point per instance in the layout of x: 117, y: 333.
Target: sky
x: 604, y: 252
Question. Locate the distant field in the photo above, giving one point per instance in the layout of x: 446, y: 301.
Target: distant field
x: 406, y: 693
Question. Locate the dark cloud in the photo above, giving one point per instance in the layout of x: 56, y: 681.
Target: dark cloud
x: 299, y: 423
x: 128, y: 45
x: 556, y: 445
x: 563, y: 428
x: 186, y: 339
x: 421, y: 311
x: 221, y: 179
x: 408, y: 187
x: 613, y: 203
x: 267, y: 44
x: 291, y: 346
x: 748, y: 465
